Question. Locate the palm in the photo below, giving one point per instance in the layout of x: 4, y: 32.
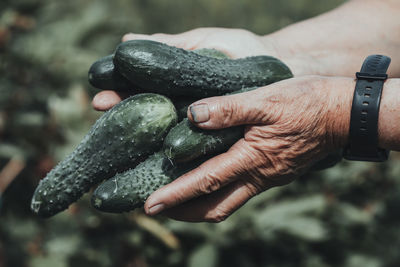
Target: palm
x: 234, y: 42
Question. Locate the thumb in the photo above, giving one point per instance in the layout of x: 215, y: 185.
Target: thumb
x: 227, y: 111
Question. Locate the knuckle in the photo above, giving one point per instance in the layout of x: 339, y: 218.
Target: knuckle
x: 217, y: 216
x: 253, y: 183
x: 254, y: 188
x: 209, y: 183
x: 175, y: 198
x: 269, y: 170
x: 228, y: 110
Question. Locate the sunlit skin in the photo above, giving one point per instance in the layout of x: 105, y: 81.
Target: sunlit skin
x: 289, y: 124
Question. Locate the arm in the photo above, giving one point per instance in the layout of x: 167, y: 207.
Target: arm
x: 389, y: 116
x: 335, y: 43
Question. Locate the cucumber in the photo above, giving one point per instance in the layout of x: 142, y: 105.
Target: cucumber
x: 177, y: 72
x: 129, y: 190
x: 186, y: 142
x: 182, y: 102
x: 103, y: 75
x: 119, y: 140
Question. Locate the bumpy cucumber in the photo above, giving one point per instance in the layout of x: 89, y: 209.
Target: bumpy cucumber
x: 102, y: 75
x: 129, y: 190
x: 174, y: 71
x: 186, y: 142
x: 119, y: 140
x: 182, y: 102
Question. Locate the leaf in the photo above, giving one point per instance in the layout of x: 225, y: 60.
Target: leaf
x: 350, y: 215
x: 291, y: 217
x: 357, y: 260
x: 205, y: 255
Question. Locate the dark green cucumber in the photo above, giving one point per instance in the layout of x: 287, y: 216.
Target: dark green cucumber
x: 182, y: 102
x: 174, y: 71
x: 119, y: 140
x: 186, y: 142
x: 102, y: 75
x: 129, y: 190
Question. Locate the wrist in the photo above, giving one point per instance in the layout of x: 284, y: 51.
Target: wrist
x: 389, y: 116
x: 341, y: 92
x: 299, y: 62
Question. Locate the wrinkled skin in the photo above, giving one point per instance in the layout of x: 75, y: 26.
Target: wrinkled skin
x: 291, y: 124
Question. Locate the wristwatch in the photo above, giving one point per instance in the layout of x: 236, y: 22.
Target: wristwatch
x: 363, y: 135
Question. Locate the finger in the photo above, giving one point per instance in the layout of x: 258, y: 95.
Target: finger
x: 135, y: 36
x: 159, y: 37
x: 227, y: 111
x: 178, y: 40
x: 209, y: 177
x: 105, y: 100
x: 187, y: 40
x: 215, y: 207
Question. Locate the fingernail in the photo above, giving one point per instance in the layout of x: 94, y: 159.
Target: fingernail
x: 100, y: 100
x: 200, y: 112
x: 156, y: 209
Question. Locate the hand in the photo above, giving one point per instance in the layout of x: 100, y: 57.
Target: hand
x: 291, y: 124
x: 332, y: 44
x: 235, y: 43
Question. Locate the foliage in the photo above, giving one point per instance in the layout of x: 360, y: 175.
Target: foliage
x: 345, y: 216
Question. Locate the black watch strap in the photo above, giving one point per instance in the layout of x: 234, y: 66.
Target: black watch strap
x: 363, y: 135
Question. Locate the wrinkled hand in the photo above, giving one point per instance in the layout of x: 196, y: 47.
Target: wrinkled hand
x: 290, y: 125
x: 236, y: 43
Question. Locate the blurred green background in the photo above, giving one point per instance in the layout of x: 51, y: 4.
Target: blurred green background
x: 347, y: 216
